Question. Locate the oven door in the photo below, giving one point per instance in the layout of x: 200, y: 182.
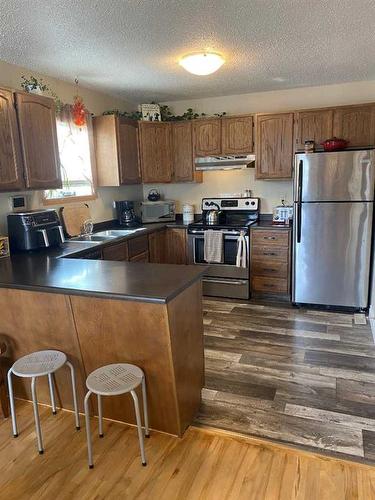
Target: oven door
x: 228, y: 268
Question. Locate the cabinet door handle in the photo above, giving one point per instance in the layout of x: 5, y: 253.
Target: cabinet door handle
x: 269, y: 253
x: 270, y: 269
x: 269, y: 237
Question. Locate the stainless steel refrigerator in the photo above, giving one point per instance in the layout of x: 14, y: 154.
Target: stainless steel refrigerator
x: 333, y: 210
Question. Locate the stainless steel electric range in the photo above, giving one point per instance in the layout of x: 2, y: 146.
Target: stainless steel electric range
x: 234, y: 215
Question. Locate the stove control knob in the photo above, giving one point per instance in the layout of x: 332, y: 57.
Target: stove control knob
x: 206, y: 203
x: 247, y: 203
x: 253, y: 202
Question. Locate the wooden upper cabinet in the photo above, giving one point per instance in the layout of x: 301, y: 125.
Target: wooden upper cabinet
x: 183, y: 154
x: 237, y: 135
x: 312, y: 125
x: 207, y: 137
x: 40, y: 152
x: 11, y: 176
x: 274, y: 146
x: 356, y: 124
x: 116, y: 150
x: 156, y: 151
x: 130, y: 171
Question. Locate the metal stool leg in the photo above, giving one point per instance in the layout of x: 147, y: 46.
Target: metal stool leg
x: 36, y: 416
x: 139, y: 427
x: 11, y: 400
x: 88, y: 430
x: 145, y: 410
x: 74, y: 390
x: 100, y: 413
x: 52, y: 392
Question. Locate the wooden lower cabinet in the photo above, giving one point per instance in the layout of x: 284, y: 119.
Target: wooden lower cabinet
x: 133, y: 250
x: 141, y: 257
x: 270, y: 261
x: 157, y: 246
x: 119, y: 251
x: 176, y: 246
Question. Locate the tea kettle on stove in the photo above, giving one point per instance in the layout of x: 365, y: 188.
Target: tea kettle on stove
x: 212, y: 216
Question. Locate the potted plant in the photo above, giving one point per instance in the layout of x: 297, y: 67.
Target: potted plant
x: 38, y: 86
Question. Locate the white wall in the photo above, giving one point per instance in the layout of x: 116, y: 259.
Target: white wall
x: 225, y: 182
x: 96, y: 102
x: 270, y: 192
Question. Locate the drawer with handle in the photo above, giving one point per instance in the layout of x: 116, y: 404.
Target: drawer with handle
x: 137, y: 246
x: 270, y: 268
x: 270, y: 237
x: 269, y: 285
x: 267, y: 253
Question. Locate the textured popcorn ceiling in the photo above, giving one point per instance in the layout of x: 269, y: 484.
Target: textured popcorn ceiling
x: 130, y: 48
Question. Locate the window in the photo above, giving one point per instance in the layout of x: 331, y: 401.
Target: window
x: 76, y: 159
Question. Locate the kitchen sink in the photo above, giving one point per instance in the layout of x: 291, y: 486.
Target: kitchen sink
x: 95, y: 238
x: 117, y: 233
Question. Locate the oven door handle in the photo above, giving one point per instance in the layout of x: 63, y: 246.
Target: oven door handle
x: 224, y: 282
x: 197, y: 232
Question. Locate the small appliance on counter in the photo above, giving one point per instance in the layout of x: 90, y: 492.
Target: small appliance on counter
x: 158, y: 211
x: 34, y: 230
x: 282, y: 214
x: 187, y: 214
x: 126, y: 215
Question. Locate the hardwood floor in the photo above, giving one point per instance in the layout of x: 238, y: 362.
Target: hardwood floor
x: 204, y: 464
x: 303, y: 377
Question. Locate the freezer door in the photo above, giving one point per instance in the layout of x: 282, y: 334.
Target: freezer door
x: 339, y: 176
x: 332, y: 247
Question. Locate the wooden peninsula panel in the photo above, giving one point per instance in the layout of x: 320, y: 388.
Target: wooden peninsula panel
x: 186, y: 327
x: 118, y: 331
x: 162, y: 339
x: 32, y: 321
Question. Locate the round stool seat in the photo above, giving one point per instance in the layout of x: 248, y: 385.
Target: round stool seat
x: 111, y: 380
x: 39, y: 363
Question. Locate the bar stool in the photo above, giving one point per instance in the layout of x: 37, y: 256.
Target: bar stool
x: 113, y: 380
x: 39, y: 364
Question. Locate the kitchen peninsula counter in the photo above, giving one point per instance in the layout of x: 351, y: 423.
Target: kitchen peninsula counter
x: 102, y: 312
x: 158, y: 283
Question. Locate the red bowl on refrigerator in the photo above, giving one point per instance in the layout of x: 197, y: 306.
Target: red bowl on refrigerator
x: 334, y: 144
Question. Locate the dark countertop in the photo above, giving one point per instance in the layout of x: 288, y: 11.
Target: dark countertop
x: 267, y: 224
x: 48, y: 271
x: 120, y: 280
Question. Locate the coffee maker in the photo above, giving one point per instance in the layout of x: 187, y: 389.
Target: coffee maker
x: 126, y: 215
x: 34, y: 229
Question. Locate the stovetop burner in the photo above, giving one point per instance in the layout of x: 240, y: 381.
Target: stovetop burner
x: 234, y: 214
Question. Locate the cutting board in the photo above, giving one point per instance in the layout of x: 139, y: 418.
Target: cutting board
x: 73, y: 217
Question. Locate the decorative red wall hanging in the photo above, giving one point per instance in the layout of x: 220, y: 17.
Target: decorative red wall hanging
x: 78, y: 109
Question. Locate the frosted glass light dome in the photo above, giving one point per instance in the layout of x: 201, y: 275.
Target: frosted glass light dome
x: 204, y: 63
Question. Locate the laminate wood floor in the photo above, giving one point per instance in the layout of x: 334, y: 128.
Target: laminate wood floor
x: 204, y: 465
x: 302, y: 377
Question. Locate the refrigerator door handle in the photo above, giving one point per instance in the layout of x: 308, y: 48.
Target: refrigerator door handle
x: 300, y: 175
x: 299, y: 200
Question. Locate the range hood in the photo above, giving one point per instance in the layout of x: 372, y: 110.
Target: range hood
x: 227, y: 162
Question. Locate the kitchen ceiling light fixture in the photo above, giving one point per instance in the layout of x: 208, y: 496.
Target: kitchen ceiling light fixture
x: 203, y: 63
